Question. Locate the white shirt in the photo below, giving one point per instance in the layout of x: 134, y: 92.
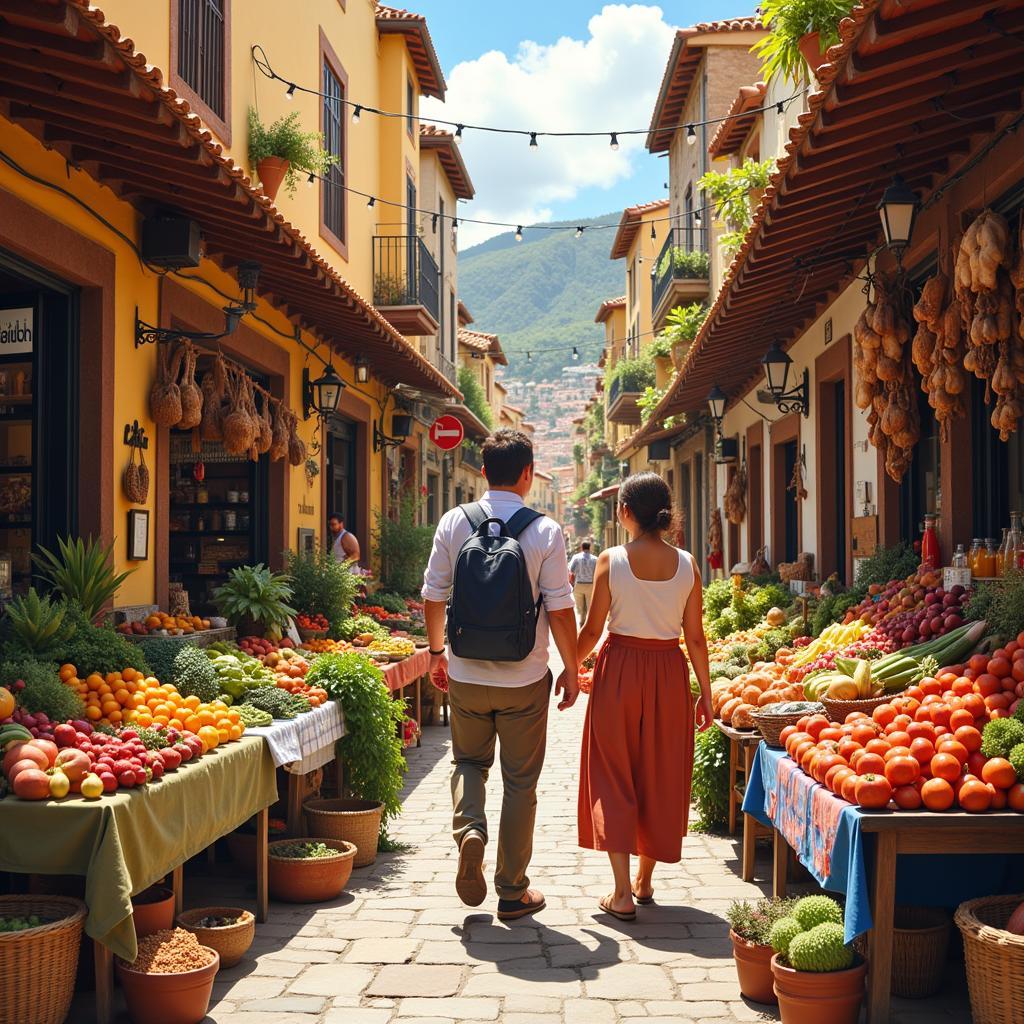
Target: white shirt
x: 652, y: 609
x: 544, y: 550
x: 582, y: 566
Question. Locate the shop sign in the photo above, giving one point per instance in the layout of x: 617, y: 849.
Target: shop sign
x: 16, y: 326
x: 447, y: 433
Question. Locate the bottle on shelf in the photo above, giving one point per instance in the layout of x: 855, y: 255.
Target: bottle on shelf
x: 974, y: 556
x: 989, y: 562
x: 931, y: 558
x: 1001, y: 553
x: 959, y: 557
x: 1014, y: 545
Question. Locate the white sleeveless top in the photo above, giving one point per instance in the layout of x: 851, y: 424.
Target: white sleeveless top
x: 652, y: 609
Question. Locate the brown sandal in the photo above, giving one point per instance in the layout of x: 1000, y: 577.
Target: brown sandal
x: 606, y: 905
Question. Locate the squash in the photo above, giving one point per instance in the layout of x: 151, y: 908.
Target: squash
x: 769, y: 697
x: 759, y: 679
x: 729, y: 707
x: 775, y: 617
x: 1016, y: 922
x: 843, y: 689
x: 751, y: 694
x: 743, y: 717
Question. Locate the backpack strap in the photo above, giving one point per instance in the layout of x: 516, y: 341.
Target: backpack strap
x: 521, y: 520
x: 475, y: 514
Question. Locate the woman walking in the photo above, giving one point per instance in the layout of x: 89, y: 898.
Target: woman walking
x: 637, y: 754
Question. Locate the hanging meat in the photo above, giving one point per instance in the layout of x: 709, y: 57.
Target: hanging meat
x: 191, y: 395
x: 239, y: 428
x: 165, y: 395
x: 296, y: 446
x: 279, y: 442
x: 735, y: 499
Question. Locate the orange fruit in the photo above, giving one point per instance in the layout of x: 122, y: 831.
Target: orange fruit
x: 93, y: 713
x: 67, y: 673
x: 235, y: 732
x: 206, y: 717
x: 210, y: 736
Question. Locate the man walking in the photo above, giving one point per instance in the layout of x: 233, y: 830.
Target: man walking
x: 496, y: 668
x: 344, y: 545
x: 581, y: 576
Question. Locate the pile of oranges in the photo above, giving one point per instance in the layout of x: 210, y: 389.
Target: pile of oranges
x: 128, y: 696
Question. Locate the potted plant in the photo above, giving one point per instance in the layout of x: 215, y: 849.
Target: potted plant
x: 228, y: 930
x: 255, y: 600
x: 281, y: 151
x: 801, y: 31
x: 681, y: 326
x: 82, y: 572
x: 817, y: 976
x: 749, y: 927
x: 321, y: 584
x: 309, y: 870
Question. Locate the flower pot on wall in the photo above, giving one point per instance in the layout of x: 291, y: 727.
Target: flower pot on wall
x: 810, y: 48
x: 754, y: 969
x: 662, y: 371
x: 271, y: 171
x: 809, y: 997
x: 679, y: 350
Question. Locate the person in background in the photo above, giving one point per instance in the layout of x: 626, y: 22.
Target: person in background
x: 637, y: 756
x: 581, y: 576
x: 344, y: 545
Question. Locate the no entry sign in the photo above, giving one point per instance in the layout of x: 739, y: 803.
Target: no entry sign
x: 447, y: 433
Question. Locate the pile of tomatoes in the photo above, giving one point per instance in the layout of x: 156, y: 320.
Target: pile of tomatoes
x: 922, y: 748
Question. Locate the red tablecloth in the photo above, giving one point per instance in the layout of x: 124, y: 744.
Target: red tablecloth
x: 402, y: 673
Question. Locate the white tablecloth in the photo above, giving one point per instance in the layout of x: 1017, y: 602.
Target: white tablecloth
x: 306, y: 742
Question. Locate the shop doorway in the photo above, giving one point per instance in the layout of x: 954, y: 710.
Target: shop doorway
x: 38, y: 412
x: 920, y: 491
x: 755, y: 490
x: 341, y: 473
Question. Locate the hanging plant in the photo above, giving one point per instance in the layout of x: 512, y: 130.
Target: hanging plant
x: 789, y: 22
x: 730, y: 193
x: 284, y: 140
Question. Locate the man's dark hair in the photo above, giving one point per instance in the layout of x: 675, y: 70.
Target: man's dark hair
x: 506, y: 454
x: 338, y: 516
x: 585, y: 546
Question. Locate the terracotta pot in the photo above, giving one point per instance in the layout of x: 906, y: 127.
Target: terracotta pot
x: 810, y: 48
x: 168, y: 998
x: 754, y: 968
x: 807, y: 997
x: 679, y: 351
x: 271, y: 171
x: 153, y: 910
x: 312, y: 879
x: 231, y: 941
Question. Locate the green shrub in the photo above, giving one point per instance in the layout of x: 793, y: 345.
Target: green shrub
x: 82, y: 572
x: 710, y: 783
x: 755, y: 921
x: 633, y: 375
x: 474, y: 396
x: 789, y: 21
x: 321, y: 584
x: 91, y: 648
x: 44, y: 692
x: 404, y: 547
x: 285, y: 139
x: 393, y: 603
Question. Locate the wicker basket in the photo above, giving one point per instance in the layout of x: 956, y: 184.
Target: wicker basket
x: 837, y: 710
x: 38, y: 965
x: 354, y: 821
x: 995, y: 958
x: 920, y: 944
x: 232, y: 941
x: 771, y: 725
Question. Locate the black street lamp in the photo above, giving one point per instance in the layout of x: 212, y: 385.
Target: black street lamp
x: 898, y: 211
x: 716, y: 403
x: 776, y: 365
x: 321, y: 395
x: 362, y: 370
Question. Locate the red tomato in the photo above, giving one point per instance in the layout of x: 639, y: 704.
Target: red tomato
x: 1018, y: 667
x: 999, y: 772
x: 878, y: 746
x: 899, y: 738
x: 794, y: 739
x: 974, y: 703
x: 815, y: 725
x: 914, y: 692
x: 974, y: 797
x: 884, y: 714
x: 922, y: 749
x: 826, y: 762
x: 930, y: 687
x: 925, y: 729
x: 836, y: 774
x: 848, y: 746
x: 797, y: 753
x: 833, y: 732
x: 869, y: 764
x: 999, y: 798
x: 940, y: 714
x: 786, y: 733
x: 976, y: 760
x: 908, y: 798
x: 999, y: 666
x: 986, y: 684
x: 873, y: 791
x: 962, y: 686
x: 809, y: 756
x: 864, y: 733
x: 1015, y: 797
x: 945, y: 766
x: 856, y: 716
x: 960, y: 718
x: 848, y: 788
x: 949, y: 745
x: 969, y: 737
x: 902, y: 771
x: 937, y: 795
x: 978, y: 663
x: 998, y: 701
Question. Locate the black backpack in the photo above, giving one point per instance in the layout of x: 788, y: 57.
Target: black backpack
x: 492, y: 615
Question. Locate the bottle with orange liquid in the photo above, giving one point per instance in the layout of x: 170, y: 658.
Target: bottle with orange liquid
x: 973, y: 558
x: 1014, y: 547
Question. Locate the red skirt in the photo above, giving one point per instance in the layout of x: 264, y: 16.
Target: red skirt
x: 637, y: 757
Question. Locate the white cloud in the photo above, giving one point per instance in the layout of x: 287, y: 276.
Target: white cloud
x: 608, y: 81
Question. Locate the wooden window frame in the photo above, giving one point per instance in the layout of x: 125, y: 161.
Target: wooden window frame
x: 410, y: 102
x: 832, y: 367
x: 329, y: 57
x: 220, y: 125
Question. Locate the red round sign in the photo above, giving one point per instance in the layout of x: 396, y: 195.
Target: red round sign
x: 447, y: 433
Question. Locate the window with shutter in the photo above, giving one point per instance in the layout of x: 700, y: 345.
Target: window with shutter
x: 332, y: 124
x: 200, y: 59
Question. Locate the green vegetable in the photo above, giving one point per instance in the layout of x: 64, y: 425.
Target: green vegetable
x: 717, y: 594
x: 322, y: 584
x: 44, y: 692
x: 91, y: 648
x: 371, y: 750
x: 1016, y: 758
x: 151, y: 739
x: 20, y: 924
x: 360, y: 624
x: 194, y: 675
x: 782, y: 934
x: 771, y: 642
x: 815, y: 910
x: 1000, y: 604
x: 1000, y: 736
x: 277, y: 702
x: 303, y: 851
x: 821, y: 949
x: 710, y: 782
x: 251, y: 716
x: 393, y: 603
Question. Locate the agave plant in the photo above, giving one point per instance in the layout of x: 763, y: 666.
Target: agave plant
x: 35, y: 622
x: 254, y: 594
x: 83, y: 572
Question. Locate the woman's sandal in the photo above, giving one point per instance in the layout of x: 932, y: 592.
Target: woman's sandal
x: 643, y: 901
x: 605, y: 905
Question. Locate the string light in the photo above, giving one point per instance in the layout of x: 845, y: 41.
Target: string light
x: 372, y: 201
x: 615, y: 140
x: 310, y: 180
x: 455, y: 226
x: 579, y: 232
x: 654, y: 234
x: 529, y: 358
x: 433, y: 223
x: 533, y: 140
x: 780, y: 107
x: 519, y: 233
x: 696, y: 217
x: 290, y: 92
x: 575, y: 354
x: 691, y: 135
x: 356, y: 111
x: 458, y: 134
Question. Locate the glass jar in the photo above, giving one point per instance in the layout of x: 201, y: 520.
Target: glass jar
x: 974, y: 556
x: 959, y: 558
x: 931, y: 557
x: 1001, y: 553
x: 1013, y: 550
x: 989, y: 561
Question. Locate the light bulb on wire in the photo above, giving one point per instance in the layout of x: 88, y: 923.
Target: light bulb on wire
x: 372, y: 201
x: 579, y: 232
x: 654, y: 234
x: 455, y: 226
x: 533, y: 140
x: 615, y: 141
x: 356, y: 111
x: 691, y: 135
x: 290, y: 92
x: 696, y: 217
x: 310, y: 180
x: 519, y: 233
x: 575, y: 354
x: 458, y: 134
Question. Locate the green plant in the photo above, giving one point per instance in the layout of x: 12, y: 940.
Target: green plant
x: 578, y: 453
x: 36, y: 624
x: 193, y: 673
x: 371, y: 750
x: 782, y: 933
x: 252, y: 593
x: 389, y: 290
x: 82, y: 572
x: 710, y: 783
x: 44, y: 692
x: 717, y: 594
x: 634, y: 374
x: 789, y: 21
x: 1000, y: 736
x: 683, y: 323
x: 474, y: 396
x: 893, y: 563
x: 754, y: 921
x: 660, y: 347
x: 683, y: 262
x: 650, y: 400
x: 730, y: 195
x: 284, y: 138
x: 159, y: 652
x: 1000, y: 604
x: 393, y: 603
x: 322, y: 584
x: 91, y: 648
x: 404, y: 547
x: 821, y: 948
x: 1016, y: 758
x: 303, y: 851
x: 360, y: 624
x: 815, y: 910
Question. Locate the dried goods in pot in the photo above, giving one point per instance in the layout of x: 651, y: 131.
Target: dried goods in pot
x: 239, y: 429
x: 165, y: 395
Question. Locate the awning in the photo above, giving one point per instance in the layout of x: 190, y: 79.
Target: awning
x: 69, y: 78
x: 474, y: 426
x: 606, y: 492
x: 908, y: 89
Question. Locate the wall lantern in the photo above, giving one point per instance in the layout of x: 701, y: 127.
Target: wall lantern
x: 321, y: 395
x: 362, y: 370
x: 776, y: 368
x: 898, y: 210
x: 716, y: 403
x: 401, y: 428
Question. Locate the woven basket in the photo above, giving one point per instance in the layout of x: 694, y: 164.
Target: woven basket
x: 837, y: 710
x: 231, y: 942
x: 995, y: 958
x: 354, y: 821
x: 38, y: 965
x: 771, y: 725
x: 920, y: 943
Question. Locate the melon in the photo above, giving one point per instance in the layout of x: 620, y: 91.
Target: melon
x: 1016, y: 922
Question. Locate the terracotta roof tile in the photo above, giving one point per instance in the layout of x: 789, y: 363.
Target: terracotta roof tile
x: 629, y: 226
x: 489, y: 344
x: 450, y: 154
x: 421, y: 46
x: 742, y: 115
x: 605, y: 309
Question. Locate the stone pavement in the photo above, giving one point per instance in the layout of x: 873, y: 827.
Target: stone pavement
x: 399, y: 948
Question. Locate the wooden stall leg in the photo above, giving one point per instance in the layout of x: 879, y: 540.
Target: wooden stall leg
x: 419, y: 708
x: 780, y: 866
x: 296, y: 787
x: 262, y: 842
x: 749, y: 846
x: 733, y: 766
x: 883, y: 908
x: 178, y: 887
x: 104, y: 971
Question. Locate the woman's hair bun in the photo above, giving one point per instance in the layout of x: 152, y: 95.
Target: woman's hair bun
x: 649, y: 499
x: 664, y: 519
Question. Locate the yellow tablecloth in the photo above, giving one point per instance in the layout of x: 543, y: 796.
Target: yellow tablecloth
x: 125, y: 842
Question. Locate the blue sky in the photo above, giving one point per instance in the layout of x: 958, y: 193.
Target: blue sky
x: 556, y: 64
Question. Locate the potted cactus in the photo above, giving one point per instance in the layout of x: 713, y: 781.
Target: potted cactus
x: 749, y: 927
x: 817, y: 975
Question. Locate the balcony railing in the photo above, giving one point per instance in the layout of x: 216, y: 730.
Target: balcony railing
x: 472, y: 457
x: 405, y: 274
x: 684, y: 256
x: 445, y: 365
x: 622, y: 407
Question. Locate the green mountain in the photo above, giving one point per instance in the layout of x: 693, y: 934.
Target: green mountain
x: 540, y: 295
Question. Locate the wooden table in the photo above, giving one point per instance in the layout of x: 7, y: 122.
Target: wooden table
x: 743, y: 744
x: 896, y: 832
